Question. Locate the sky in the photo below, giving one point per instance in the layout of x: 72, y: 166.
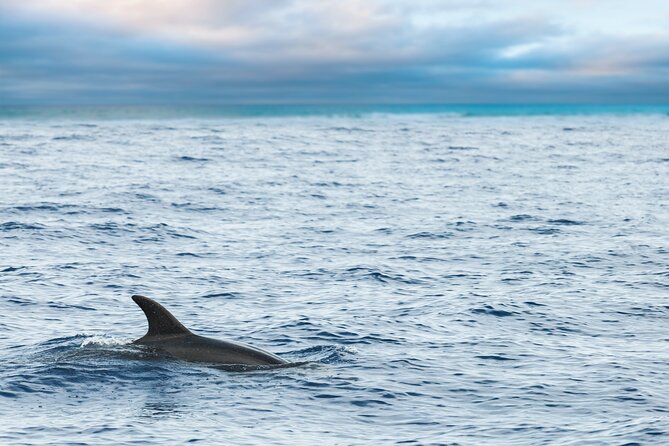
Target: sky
x: 333, y: 51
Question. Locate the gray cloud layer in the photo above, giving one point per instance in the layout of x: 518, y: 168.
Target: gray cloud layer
x: 292, y: 51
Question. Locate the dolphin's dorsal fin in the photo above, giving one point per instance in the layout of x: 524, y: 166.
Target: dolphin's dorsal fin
x: 161, y: 321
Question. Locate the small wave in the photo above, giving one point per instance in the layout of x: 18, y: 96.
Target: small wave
x: 420, y: 259
x: 113, y: 210
x: 329, y: 184
x: 91, y: 351
x: 53, y: 304
x: 384, y: 230
x: 19, y: 301
x: 223, y: 295
x: 188, y: 206
x: 523, y: 217
x: 463, y: 225
x: 156, y: 232
x: 544, y: 230
x: 73, y: 137
x: 493, y: 311
x: 103, y: 341
x: 370, y: 402
x: 147, y: 197
x: 11, y: 269
x: 325, y: 354
x: 192, y: 158
x: 431, y: 235
x: 109, y: 226
x: 14, y: 226
x: 38, y: 207
x: 350, y: 129
x: 565, y: 222
x: 60, y: 209
x: 378, y: 276
x: 496, y: 358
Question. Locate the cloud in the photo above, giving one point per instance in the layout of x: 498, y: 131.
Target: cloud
x: 139, y: 51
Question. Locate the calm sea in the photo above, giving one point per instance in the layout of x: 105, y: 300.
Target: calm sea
x: 452, y: 275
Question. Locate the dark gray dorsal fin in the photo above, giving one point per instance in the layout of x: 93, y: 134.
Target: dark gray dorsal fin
x: 161, y: 321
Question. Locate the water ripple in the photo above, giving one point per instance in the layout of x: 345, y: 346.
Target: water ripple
x: 434, y: 279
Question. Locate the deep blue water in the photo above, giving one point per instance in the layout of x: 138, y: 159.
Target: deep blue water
x: 450, y: 279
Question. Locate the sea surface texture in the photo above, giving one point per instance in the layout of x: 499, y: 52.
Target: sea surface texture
x: 445, y: 278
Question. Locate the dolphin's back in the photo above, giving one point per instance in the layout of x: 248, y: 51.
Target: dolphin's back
x: 200, y: 349
x: 166, y: 333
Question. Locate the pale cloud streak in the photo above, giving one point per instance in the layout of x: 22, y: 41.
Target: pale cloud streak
x: 344, y: 50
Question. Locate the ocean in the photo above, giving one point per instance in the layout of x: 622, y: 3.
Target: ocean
x: 447, y: 275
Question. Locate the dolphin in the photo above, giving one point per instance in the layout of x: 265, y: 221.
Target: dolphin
x: 167, y: 334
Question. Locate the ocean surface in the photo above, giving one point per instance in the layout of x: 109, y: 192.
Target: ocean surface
x: 450, y: 276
